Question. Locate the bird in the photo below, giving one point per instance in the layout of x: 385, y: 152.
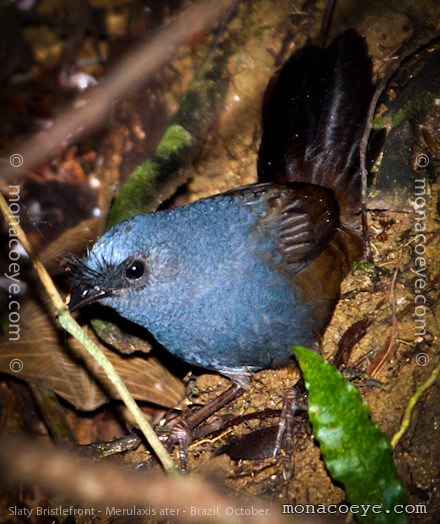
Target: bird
x: 231, y: 282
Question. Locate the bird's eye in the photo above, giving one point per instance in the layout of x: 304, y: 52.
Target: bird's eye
x: 135, y: 269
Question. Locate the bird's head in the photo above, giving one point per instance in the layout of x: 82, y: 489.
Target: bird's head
x: 127, y: 263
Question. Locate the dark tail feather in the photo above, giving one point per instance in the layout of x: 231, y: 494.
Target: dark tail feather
x: 314, y: 114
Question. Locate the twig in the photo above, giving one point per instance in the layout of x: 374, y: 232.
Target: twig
x: 325, y: 24
x: 72, y: 327
x: 406, y: 420
x: 347, y: 342
x: 105, y: 487
x: 90, y: 111
x: 380, y: 359
x: 407, y: 53
x: 157, y: 178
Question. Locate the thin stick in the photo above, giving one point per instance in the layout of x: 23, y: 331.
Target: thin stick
x: 406, y: 420
x: 72, y: 327
x: 325, y: 24
x: 382, y: 357
x: 91, y: 110
x: 363, y: 144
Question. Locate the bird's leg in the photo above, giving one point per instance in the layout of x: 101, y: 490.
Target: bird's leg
x: 199, y: 416
x: 182, y: 432
x: 294, y: 400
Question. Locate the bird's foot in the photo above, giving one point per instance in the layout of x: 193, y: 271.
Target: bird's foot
x: 181, y: 431
x: 294, y: 401
x: 182, y: 435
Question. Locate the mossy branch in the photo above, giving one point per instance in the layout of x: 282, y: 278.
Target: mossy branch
x: 157, y: 178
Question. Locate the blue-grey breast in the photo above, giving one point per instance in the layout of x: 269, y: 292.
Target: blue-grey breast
x: 231, y: 282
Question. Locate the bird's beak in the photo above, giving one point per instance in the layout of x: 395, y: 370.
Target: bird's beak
x: 80, y: 297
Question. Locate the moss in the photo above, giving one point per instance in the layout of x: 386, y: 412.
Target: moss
x: 363, y: 265
x: 139, y: 194
x: 399, y: 117
x: 134, y: 194
x: 174, y: 140
x: 412, y: 108
x: 378, y: 123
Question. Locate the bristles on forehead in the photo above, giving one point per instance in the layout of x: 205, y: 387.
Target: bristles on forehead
x: 89, y: 271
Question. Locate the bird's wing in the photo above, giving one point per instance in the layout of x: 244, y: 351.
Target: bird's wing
x: 308, y: 218
x: 302, y: 218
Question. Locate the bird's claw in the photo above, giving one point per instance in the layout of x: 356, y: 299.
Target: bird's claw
x: 294, y: 400
x: 177, y: 432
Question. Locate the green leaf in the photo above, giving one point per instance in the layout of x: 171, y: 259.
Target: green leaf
x: 355, y: 452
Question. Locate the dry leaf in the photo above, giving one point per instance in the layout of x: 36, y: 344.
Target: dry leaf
x: 50, y: 358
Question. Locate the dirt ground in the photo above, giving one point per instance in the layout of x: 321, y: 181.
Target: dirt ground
x: 392, y: 354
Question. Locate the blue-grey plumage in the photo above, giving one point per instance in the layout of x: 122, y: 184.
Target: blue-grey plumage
x: 233, y: 281
x: 216, y: 289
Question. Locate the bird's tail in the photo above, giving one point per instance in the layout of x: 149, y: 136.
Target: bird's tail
x: 314, y: 114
